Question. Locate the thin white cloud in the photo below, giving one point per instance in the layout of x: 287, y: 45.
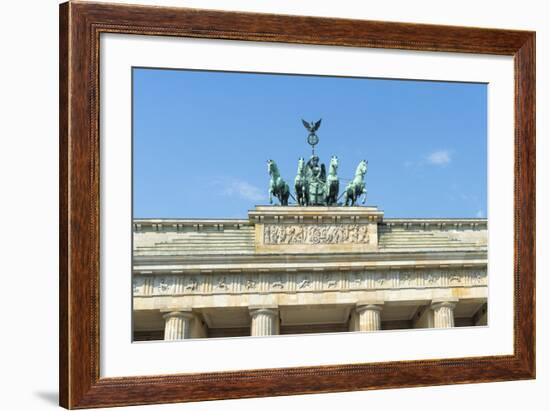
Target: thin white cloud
x: 440, y: 158
x: 242, y: 189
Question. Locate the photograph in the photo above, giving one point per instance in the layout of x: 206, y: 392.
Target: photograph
x: 269, y: 204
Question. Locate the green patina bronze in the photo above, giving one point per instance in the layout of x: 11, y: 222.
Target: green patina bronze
x: 333, y: 183
x: 316, y: 179
x: 277, y: 186
x: 356, y: 187
x: 312, y: 185
x: 312, y: 138
x: 301, y: 184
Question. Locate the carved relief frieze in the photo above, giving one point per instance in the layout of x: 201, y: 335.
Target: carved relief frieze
x: 221, y: 283
x: 431, y: 279
x: 249, y: 283
x: 316, y: 234
x: 137, y: 285
x: 331, y: 281
x: 478, y: 277
x: 343, y: 281
x: 191, y: 285
x: 304, y: 282
x: 379, y: 280
x: 406, y: 279
x: 164, y: 285
x: 356, y: 280
x: 277, y: 282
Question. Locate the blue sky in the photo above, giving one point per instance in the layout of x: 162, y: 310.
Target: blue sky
x: 201, y: 140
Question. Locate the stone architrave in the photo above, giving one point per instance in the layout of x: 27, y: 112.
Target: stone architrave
x: 264, y: 321
x: 177, y: 325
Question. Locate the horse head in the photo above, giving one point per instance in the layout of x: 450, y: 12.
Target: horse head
x: 272, y: 168
x: 361, y: 168
x: 300, y: 166
x: 333, y: 164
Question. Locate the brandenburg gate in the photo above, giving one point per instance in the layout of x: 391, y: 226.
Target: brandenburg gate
x: 317, y: 266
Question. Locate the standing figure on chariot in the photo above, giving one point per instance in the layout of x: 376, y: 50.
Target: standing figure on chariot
x: 316, y: 178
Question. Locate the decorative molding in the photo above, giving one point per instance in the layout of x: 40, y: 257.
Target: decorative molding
x: 260, y: 283
x: 175, y: 225
x: 316, y: 234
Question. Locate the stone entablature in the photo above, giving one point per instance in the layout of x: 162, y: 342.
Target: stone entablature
x: 307, y: 215
x: 253, y: 283
x: 437, y: 223
x: 175, y: 225
x: 179, y: 224
x: 295, y: 230
x: 297, y: 266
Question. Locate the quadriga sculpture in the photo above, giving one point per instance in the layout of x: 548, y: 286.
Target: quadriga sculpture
x: 333, y: 184
x: 277, y: 186
x: 300, y: 184
x: 356, y: 187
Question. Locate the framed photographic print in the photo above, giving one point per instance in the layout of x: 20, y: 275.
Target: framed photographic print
x: 258, y: 205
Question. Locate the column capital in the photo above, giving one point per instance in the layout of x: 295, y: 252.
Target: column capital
x: 264, y: 309
x: 369, y: 305
x: 369, y: 315
x: 264, y: 320
x: 177, y: 324
x: 447, y: 302
x: 444, y: 312
x: 185, y: 313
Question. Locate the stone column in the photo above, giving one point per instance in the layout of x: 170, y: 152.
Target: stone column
x: 265, y: 321
x: 443, y: 314
x: 369, y: 316
x: 177, y: 325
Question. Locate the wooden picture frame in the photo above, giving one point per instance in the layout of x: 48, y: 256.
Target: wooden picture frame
x: 80, y: 27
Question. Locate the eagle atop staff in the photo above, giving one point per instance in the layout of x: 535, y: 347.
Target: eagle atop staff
x: 312, y: 138
x: 312, y: 127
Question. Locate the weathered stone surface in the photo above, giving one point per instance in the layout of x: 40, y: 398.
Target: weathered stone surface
x: 298, y: 282
x: 444, y: 313
x: 315, y: 229
x: 308, y: 266
x: 264, y: 321
x: 177, y: 325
